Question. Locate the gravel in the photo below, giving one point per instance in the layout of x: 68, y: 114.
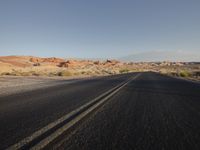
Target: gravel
x: 12, y: 84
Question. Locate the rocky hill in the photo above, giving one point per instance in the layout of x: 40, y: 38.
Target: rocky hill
x: 28, y: 65
x: 37, y: 66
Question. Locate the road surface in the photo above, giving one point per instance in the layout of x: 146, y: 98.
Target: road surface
x: 151, y: 112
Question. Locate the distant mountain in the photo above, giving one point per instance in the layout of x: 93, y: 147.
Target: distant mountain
x: 152, y: 56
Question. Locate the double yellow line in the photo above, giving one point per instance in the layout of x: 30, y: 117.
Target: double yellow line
x: 49, y: 133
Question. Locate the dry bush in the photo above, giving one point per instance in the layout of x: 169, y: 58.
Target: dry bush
x: 6, y: 73
x: 83, y: 72
x: 124, y: 71
x: 107, y: 72
x: 25, y: 73
x: 51, y: 74
x: 197, y: 73
x: 76, y: 73
x: 64, y: 73
x: 185, y: 74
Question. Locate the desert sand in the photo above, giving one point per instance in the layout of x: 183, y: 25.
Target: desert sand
x: 59, y: 67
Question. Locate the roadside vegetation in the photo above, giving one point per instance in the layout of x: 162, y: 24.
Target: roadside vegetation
x: 193, y: 75
x: 64, y: 73
x: 124, y: 70
x: 185, y: 74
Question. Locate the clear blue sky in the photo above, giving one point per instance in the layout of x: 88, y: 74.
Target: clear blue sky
x: 98, y: 28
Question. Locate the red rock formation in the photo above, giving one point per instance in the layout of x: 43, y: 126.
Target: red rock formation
x: 35, y: 60
x: 111, y: 62
x: 53, y: 60
x: 46, y: 60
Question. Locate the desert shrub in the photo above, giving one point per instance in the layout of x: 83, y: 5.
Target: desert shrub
x: 196, y: 74
x: 6, y: 73
x: 59, y: 73
x: 64, y: 73
x: 9, y: 73
x: 106, y: 72
x: 76, y: 73
x: 83, y: 72
x: 52, y: 74
x: 184, y: 74
x: 67, y: 73
x: 37, y: 64
x: 35, y: 74
x: 96, y: 62
x: 25, y: 73
x: 123, y: 71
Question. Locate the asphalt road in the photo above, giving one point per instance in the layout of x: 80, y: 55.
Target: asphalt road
x: 153, y: 112
x: 24, y: 113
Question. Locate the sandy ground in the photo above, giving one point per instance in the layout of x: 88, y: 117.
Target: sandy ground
x: 14, y: 84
